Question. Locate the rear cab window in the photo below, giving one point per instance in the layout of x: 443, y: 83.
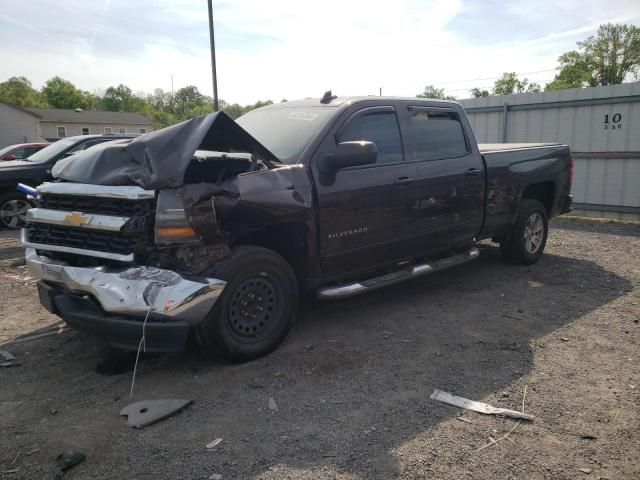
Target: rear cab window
x: 379, y: 126
x: 437, y: 133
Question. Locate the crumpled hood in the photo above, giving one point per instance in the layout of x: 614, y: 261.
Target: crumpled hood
x: 159, y: 159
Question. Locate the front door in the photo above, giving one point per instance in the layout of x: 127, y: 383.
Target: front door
x: 364, y: 211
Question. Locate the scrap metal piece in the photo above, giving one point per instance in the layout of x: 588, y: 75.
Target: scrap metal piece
x: 8, y: 360
x: 479, y: 407
x: 213, y: 444
x: 147, y: 412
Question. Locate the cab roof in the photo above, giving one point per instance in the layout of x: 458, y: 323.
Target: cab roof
x: 349, y: 100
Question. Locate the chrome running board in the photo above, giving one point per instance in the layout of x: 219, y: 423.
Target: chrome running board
x: 350, y: 289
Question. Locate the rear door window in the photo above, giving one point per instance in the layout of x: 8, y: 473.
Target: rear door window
x: 380, y: 127
x: 437, y: 133
x: 20, y: 154
x: 30, y: 151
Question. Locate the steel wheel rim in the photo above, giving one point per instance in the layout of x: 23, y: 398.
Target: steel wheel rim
x: 13, y: 213
x: 252, y: 309
x: 533, y: 233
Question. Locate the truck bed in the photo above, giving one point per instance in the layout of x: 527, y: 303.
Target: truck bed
x: 510, y: 168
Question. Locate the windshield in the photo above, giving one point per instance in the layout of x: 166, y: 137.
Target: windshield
x: 285, y: 131
x: 47, y: 153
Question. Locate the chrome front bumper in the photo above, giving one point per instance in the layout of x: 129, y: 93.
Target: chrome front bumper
x: 132, y: 291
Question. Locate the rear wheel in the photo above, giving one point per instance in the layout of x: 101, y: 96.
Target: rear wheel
x: 13, y: 210
x: 528, y: 237
x: 256, y: 309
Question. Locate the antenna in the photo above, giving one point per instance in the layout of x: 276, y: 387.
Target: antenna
x: 327, y: 97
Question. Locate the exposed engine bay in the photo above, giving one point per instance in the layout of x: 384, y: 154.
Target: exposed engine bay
x: 208, y: 185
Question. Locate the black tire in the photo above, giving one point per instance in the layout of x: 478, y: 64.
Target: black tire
x: 256, y: 309
x: 13, y: 209
x: 526, y: 241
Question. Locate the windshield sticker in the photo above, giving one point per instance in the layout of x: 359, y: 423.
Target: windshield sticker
x: 306, y: 116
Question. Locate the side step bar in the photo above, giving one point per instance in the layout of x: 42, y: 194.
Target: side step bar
x: 350, y: 289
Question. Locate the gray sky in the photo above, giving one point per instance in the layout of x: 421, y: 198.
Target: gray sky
x: 296, y: 48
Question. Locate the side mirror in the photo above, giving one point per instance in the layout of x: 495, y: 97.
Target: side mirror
x: 349, y: 154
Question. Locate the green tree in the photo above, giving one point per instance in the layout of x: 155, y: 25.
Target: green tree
x: 507, y: 84
x: 18, y: 91
x: 93, y: 101
x: 574, y: 72
x: 510, y: 83
x: 432, y: 92
x: 606, y: 59
x: 61, y: 93
x: 160, y: 100
x: 117, y: 99
x: 188, y: 98
x: 477, y: 92
x: 234, y: 110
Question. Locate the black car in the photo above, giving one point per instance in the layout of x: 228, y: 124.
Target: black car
x: 37, y: 169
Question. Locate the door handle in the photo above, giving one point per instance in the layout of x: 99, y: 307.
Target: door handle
x: 404, y: 181
x: 472, y: 172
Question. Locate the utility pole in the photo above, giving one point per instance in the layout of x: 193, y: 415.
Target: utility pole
x: 213, y: 59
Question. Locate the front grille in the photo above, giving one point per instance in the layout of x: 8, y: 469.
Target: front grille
x: 120, y: 207
x: 85, y: 239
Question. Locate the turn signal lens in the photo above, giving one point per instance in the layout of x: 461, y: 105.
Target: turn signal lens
x: 181, y: 233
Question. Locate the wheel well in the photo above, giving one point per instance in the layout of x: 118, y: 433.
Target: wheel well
x: 543, y: 192
x: 289, y: 240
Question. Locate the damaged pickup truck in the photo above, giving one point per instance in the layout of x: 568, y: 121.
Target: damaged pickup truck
x: 217, y: 227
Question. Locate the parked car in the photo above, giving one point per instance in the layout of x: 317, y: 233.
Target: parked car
x: 34, y: 170
x: 20, y: 151
x: 333, y: 197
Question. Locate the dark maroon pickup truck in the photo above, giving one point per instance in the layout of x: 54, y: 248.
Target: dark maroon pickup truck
x: 216, y: 228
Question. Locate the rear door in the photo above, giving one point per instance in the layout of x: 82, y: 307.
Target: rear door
x: 450, y: 178
x: 364, y: 211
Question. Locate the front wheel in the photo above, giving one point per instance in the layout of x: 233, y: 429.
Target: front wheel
x: 13, y: 210
x: 528, y: 237
x: 256, y: 309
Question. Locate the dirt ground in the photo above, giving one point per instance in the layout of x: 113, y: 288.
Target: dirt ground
x: 351, y: 383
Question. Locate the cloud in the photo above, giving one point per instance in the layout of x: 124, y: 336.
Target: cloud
x: 292, y: 49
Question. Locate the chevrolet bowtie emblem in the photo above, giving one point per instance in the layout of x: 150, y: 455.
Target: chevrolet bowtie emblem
x: 76, y: 219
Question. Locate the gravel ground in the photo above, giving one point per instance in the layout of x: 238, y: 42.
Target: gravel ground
x: 351, y: 383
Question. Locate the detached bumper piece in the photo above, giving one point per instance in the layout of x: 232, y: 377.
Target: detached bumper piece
x: 113, y: 302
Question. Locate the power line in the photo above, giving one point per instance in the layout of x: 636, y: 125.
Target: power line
x: 490, y: 86
x: 490, y: 78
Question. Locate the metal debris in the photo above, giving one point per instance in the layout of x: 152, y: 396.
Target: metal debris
x: 8, y: 360
x: 273, y: 406
x: 214, y: 443
x: 147, y: 412
x: 479, y: 407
